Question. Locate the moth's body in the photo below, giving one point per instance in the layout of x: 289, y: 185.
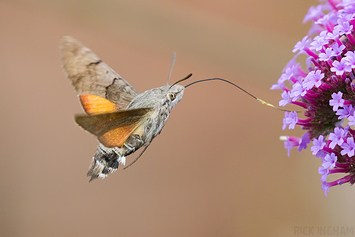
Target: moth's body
x: 107, y: 160
x: 121, y: 118
x: 158, y: 100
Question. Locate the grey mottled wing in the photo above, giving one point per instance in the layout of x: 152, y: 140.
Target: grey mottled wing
x: 89, y: 75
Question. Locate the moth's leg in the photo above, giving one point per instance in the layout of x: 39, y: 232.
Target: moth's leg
x: 129, y: 147
x: 133, y: 143
x: 145, y: 148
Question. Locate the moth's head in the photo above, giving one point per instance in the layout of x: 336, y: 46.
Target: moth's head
x: 175, y: 93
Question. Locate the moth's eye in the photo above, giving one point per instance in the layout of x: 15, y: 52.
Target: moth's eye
x: 172, y: 96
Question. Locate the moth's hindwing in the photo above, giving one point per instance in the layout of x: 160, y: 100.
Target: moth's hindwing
x: 94, y: 104
x: 113, y: 129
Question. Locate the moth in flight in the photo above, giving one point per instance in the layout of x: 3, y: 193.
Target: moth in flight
x: 122, y: 119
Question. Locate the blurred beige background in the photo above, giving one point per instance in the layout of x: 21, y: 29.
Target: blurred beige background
x: 217, y: 169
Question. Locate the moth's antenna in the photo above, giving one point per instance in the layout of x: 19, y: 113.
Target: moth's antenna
x: 171, y: 67
x: 224, y: 80
x: 185, y: 78
x: 145, y: 148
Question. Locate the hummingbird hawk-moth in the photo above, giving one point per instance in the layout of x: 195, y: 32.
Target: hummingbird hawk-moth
x: 122, y: 119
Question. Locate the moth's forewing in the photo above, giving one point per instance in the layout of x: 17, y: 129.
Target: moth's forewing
x: 113, y: 129
x: 89, y: 75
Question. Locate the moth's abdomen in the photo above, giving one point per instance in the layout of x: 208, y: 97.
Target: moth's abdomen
x: 105, y: 160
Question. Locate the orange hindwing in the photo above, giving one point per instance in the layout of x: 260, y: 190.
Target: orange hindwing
x: 118, y: 136
x: 113, y: 129
x: 94, y: 104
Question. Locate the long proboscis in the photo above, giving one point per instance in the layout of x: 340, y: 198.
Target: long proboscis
x: 224, y: 80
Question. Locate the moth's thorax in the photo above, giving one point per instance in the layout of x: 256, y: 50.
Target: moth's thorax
x: 162, y: 100
x: 158, y: 97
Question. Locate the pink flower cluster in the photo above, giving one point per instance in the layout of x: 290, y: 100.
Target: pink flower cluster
x: 325, y: 90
